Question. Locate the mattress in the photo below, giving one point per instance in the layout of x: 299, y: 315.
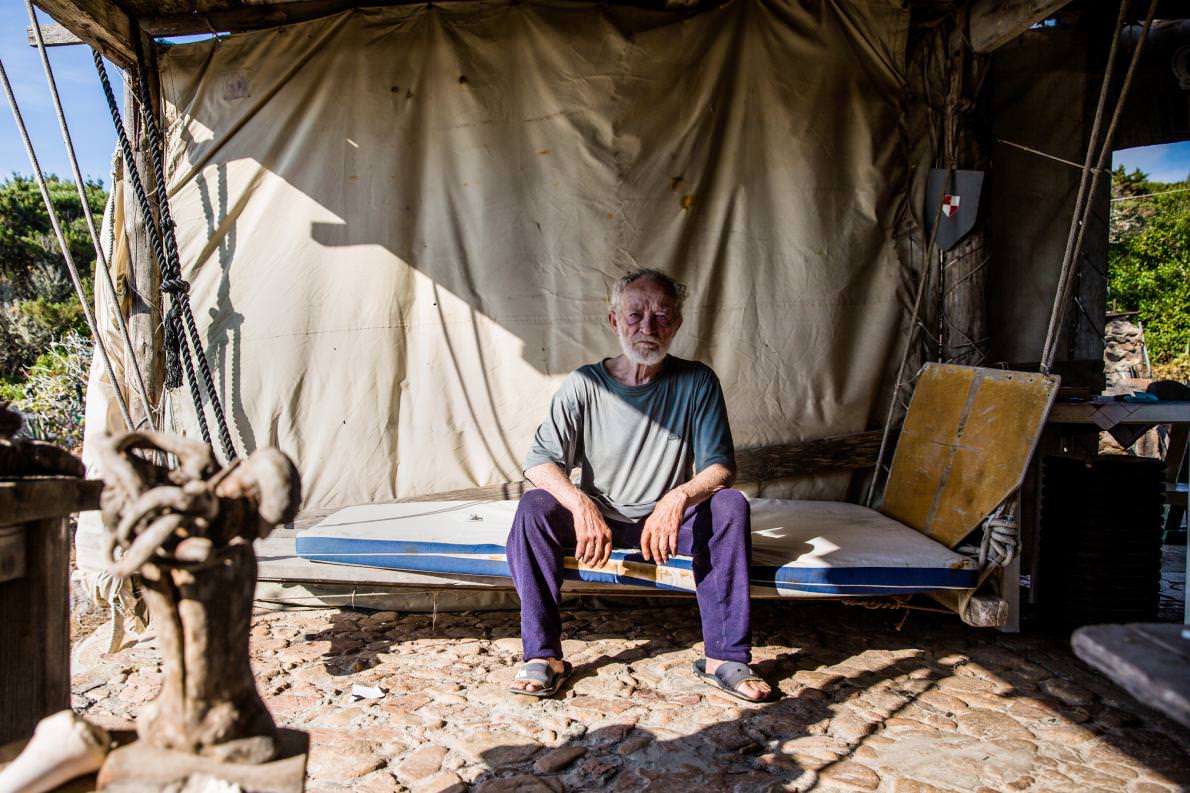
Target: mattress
x: 799, y: 549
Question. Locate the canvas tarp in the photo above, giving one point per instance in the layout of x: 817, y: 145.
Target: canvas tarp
x: 400, y: 225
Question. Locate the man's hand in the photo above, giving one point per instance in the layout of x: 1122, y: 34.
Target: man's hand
x: 592, y: 535
x: 594, y: 545
x: 659, y: 539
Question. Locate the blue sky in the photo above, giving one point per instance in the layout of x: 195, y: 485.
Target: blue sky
x: 1168, y: 163
x: 86, y: 111
x: 94, y: 139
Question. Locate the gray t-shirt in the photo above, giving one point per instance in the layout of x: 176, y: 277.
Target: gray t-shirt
x: 635, y: 443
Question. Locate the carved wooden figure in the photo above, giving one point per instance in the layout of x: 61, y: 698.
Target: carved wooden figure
x: 189, y: 532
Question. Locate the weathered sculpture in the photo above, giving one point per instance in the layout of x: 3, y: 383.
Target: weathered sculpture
x: 188, y: 531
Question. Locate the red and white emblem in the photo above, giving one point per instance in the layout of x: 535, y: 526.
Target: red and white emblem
x: 950, y: 205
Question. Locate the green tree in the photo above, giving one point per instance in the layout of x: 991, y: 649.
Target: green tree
x: 38, y: 304
x: 1149, y: 261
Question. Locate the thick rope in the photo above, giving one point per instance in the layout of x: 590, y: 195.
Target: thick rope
x: 1092, y: 171
x: 172, y: 281
x: 172, y: 367
x: 101, y: 257
x: 175, y: 338
x: 1001, y: 536
x: 70, y: 266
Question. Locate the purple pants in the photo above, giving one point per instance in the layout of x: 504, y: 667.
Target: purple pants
x: 717, y: 533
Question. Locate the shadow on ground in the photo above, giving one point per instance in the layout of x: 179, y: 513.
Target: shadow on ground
x: 863, y: 706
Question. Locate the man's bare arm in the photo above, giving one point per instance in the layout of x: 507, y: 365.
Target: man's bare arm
x: 706, y: 483
x: 659, y: 540
x: 594, y: 546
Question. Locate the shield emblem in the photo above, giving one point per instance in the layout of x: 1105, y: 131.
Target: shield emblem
x: 954, y: 204
x: 950, y: 204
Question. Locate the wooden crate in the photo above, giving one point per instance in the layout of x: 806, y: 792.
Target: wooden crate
x: 35, y: 597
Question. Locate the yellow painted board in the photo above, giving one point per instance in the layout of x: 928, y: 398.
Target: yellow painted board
x: 1000, y: 432
x: 953, y: 467
x: 925, y: 447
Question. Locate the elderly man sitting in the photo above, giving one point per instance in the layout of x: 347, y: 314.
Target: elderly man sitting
x: 650, y: 434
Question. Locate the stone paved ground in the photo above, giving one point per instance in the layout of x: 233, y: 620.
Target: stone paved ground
x: 935, y: 706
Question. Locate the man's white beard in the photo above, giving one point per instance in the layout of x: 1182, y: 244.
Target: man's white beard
x: 652, y: 358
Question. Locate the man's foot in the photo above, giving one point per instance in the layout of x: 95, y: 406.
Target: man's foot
x: 735, y: 679
x: 540, y: 677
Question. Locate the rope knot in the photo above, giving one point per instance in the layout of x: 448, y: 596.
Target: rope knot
x: 175, y: 287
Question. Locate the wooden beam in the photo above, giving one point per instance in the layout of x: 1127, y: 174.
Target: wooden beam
x: 239, y: 17
x: 53, y: 36
x: 245, y: 17
x: 103, y: 25
x: 38, y: 498
x: 994, y: 23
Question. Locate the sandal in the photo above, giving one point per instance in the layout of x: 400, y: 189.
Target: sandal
x: 728, y: 678
x: 543, y: 674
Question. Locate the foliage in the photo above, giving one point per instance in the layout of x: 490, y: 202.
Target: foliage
x: 27, y: 239
x: 52, y: 397
x: 44, y: 339
x: 1149, y: 262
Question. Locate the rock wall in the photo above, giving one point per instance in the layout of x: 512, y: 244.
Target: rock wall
x: 1126, y: 369
x: 1123, y: 354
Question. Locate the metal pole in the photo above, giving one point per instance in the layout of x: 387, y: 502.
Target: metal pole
x: 101, y: 257
x: 74, y: 274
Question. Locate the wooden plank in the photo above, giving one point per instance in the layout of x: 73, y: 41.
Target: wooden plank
x: 53, y: 36
x: 1149, y: 661
x: 142, y: 766
x: 34, y: 632
x: 1002, y: 427
x: 35, y: 498
x: 103, y: 25
x: 926, y: 444
x: 227, y: 17
x: 1121, y: 412
x: 967, y: 440
x: 240, y: 18
x: 994, y: 23
x: 12, y: 552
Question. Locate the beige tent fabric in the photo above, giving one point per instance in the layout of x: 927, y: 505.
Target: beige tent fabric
x: 400, y: 225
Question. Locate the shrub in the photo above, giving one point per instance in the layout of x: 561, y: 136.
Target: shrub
x: 52, y: 397
x: 1149, y: 261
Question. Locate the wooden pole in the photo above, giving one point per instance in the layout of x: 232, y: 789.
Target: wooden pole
x: 145, y: 315
x: 962, y: 282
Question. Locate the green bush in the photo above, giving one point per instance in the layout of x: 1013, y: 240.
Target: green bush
x: 52, y: 397
x: 45, y: 346
x: 28, y: 247
x: 1149, y: 261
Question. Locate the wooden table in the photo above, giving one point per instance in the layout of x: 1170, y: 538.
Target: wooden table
x: 1114, y: 413
x: 1104, y: 415
x: 1151, y: 661
x: 35, y: 596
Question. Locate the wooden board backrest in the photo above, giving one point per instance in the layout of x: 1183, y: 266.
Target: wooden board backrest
x: 965, y: 445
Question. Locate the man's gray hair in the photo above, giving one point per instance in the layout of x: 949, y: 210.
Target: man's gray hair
x: 673, y: 288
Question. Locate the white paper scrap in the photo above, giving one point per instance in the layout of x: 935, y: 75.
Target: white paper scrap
x: 360, y: 691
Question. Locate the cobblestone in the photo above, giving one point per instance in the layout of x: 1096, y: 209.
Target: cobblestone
x: 934, y: 707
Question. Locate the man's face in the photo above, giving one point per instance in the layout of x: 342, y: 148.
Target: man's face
x: 645, y: 322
